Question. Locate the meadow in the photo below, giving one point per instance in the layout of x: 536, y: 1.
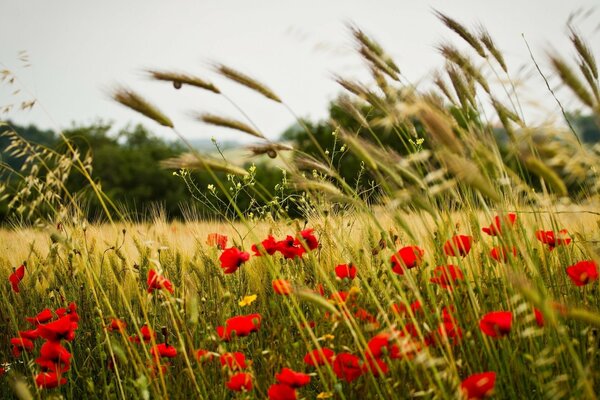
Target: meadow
x: 461, y: 263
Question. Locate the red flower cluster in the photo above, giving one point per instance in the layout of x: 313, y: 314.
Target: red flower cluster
x: 217, y: 240
x: 288, y: 381
x: 290, y: 247
x: 446, y: 276
x: 240, y: 326
x: 583, y: 272
x: 54, y: 359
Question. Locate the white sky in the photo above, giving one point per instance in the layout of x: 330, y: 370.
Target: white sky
x: 79, y: 49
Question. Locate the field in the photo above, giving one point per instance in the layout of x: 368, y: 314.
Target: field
x: 423, y: 243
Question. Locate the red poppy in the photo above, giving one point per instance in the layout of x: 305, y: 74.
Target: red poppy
x: 320, y: 356
x: 43, y: 316
x: 146, y: 335
x: 496, y: 323
x: 365, y: 316
x: 156, y: 281
x: 583, y: 272
x: 446, y: 276
x: 478, y: 386
x: 19, y: 344
x: 32, y: 334
x: 279, y: 391
x: 459, y: 245
x: 539, y: 317
x: 49, y: 380
x: 346, y: 366
x: 553, y: 240
x: 383, y: 343
x: 407, y: 257
x: 503, y: 254
x: 495, y: 228
x: 232, y: 258
x: 282, y: 286
x: 449, y: 329
x: 203, y: 355
x: 240, y: 382
x: 267, y: 246
x: 16, y: 277
x: 289, y: 248
x: 71, y: 311
x: 233, y: 361
x: 242, y: 325
x: 54, y: 357
x: 117, y: 325
x: 62, y: 328
x: 216, y: 239
x: 345, y: 271
x: 163, y: 350
x: 375, y: 366
x: 292, y: 378
x: 415, y: 307
x: 308, y: 239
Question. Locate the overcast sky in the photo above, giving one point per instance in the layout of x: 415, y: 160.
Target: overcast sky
x: 79, y: 49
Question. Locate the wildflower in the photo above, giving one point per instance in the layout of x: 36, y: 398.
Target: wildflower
x: 459, y: 245
x: 163, y: 350
x: 232, y: 258
x: 216, y: 239
x: 71, y: 311
x: 233, y: 361
x: 282, y: 286
x: 146, y: 335
x: 54, y: 357
x: 49, y: 380
x: 345, y: 271
x: 62, y: 328
x: 583, y: 272
x: 415, y: 307
x: 240, y: 382
x: 116, y: 325
x: 203, y: 355
x: 346, y: 366
x: 383, y: 343
x: 446, y: 275
x: 290, y: 248
x: 247, y: 300
x: 267, y: 246
x: 407, y: 257
x: 502, y: 254
x: 21, y: 344
x: 553, y: 240
x: 365, y: 316
x: 496, y: 324
x: 478, y: 386
x: 156, y: 281
x: 495, y: 229
x: 319, y: 357
x: 539, y: 317
x: 292, y: 378
x: 16, y: 277
x: 375, y: 366
x: 279, y: 391
x: 242, y: 325
x: 32, y: 334
x: 43, y: 316
x: 308, y: 239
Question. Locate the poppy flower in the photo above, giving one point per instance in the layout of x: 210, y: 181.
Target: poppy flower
x: 43, y: 316
x: 240, y: 382
x: 308, y: 239
x: 459, y: 245
x: 319, y: 357
x: 62, y: 328
x: 365, y: 316
x: 156, y: 281
x: 16, y: 277
x: 19, y: 344
x: 290, y: 248
x: 346, y: 366
x: 446, y: 275
x: 407, y: 257
x: 292, y: 378
x: 71, y: 310
x: 496, y: 323
x: 279, y: 391
x: 216, y: 239
x: 116, y: 325
x: 375, y: 366
x: 242, y: 325
x: 383, y: 343
x: 415, y: 307
x: 232, y: 258
x: 503, y: 254
x: 495, y: 229
x: 553, y: 240
x: 49, y: 380
x: 32, y: 334
x: 539, y: 317
x: 478, y: 386
x: 267, y: 246
x: 54, y: 357
x: 233, y: 361
x: 163, y: 350
x: 583, y: 272
x: 282, y: 286
x: 345, y: 271
x: 203, y: 355
x: 449, y: 329
x: 146, y: 335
